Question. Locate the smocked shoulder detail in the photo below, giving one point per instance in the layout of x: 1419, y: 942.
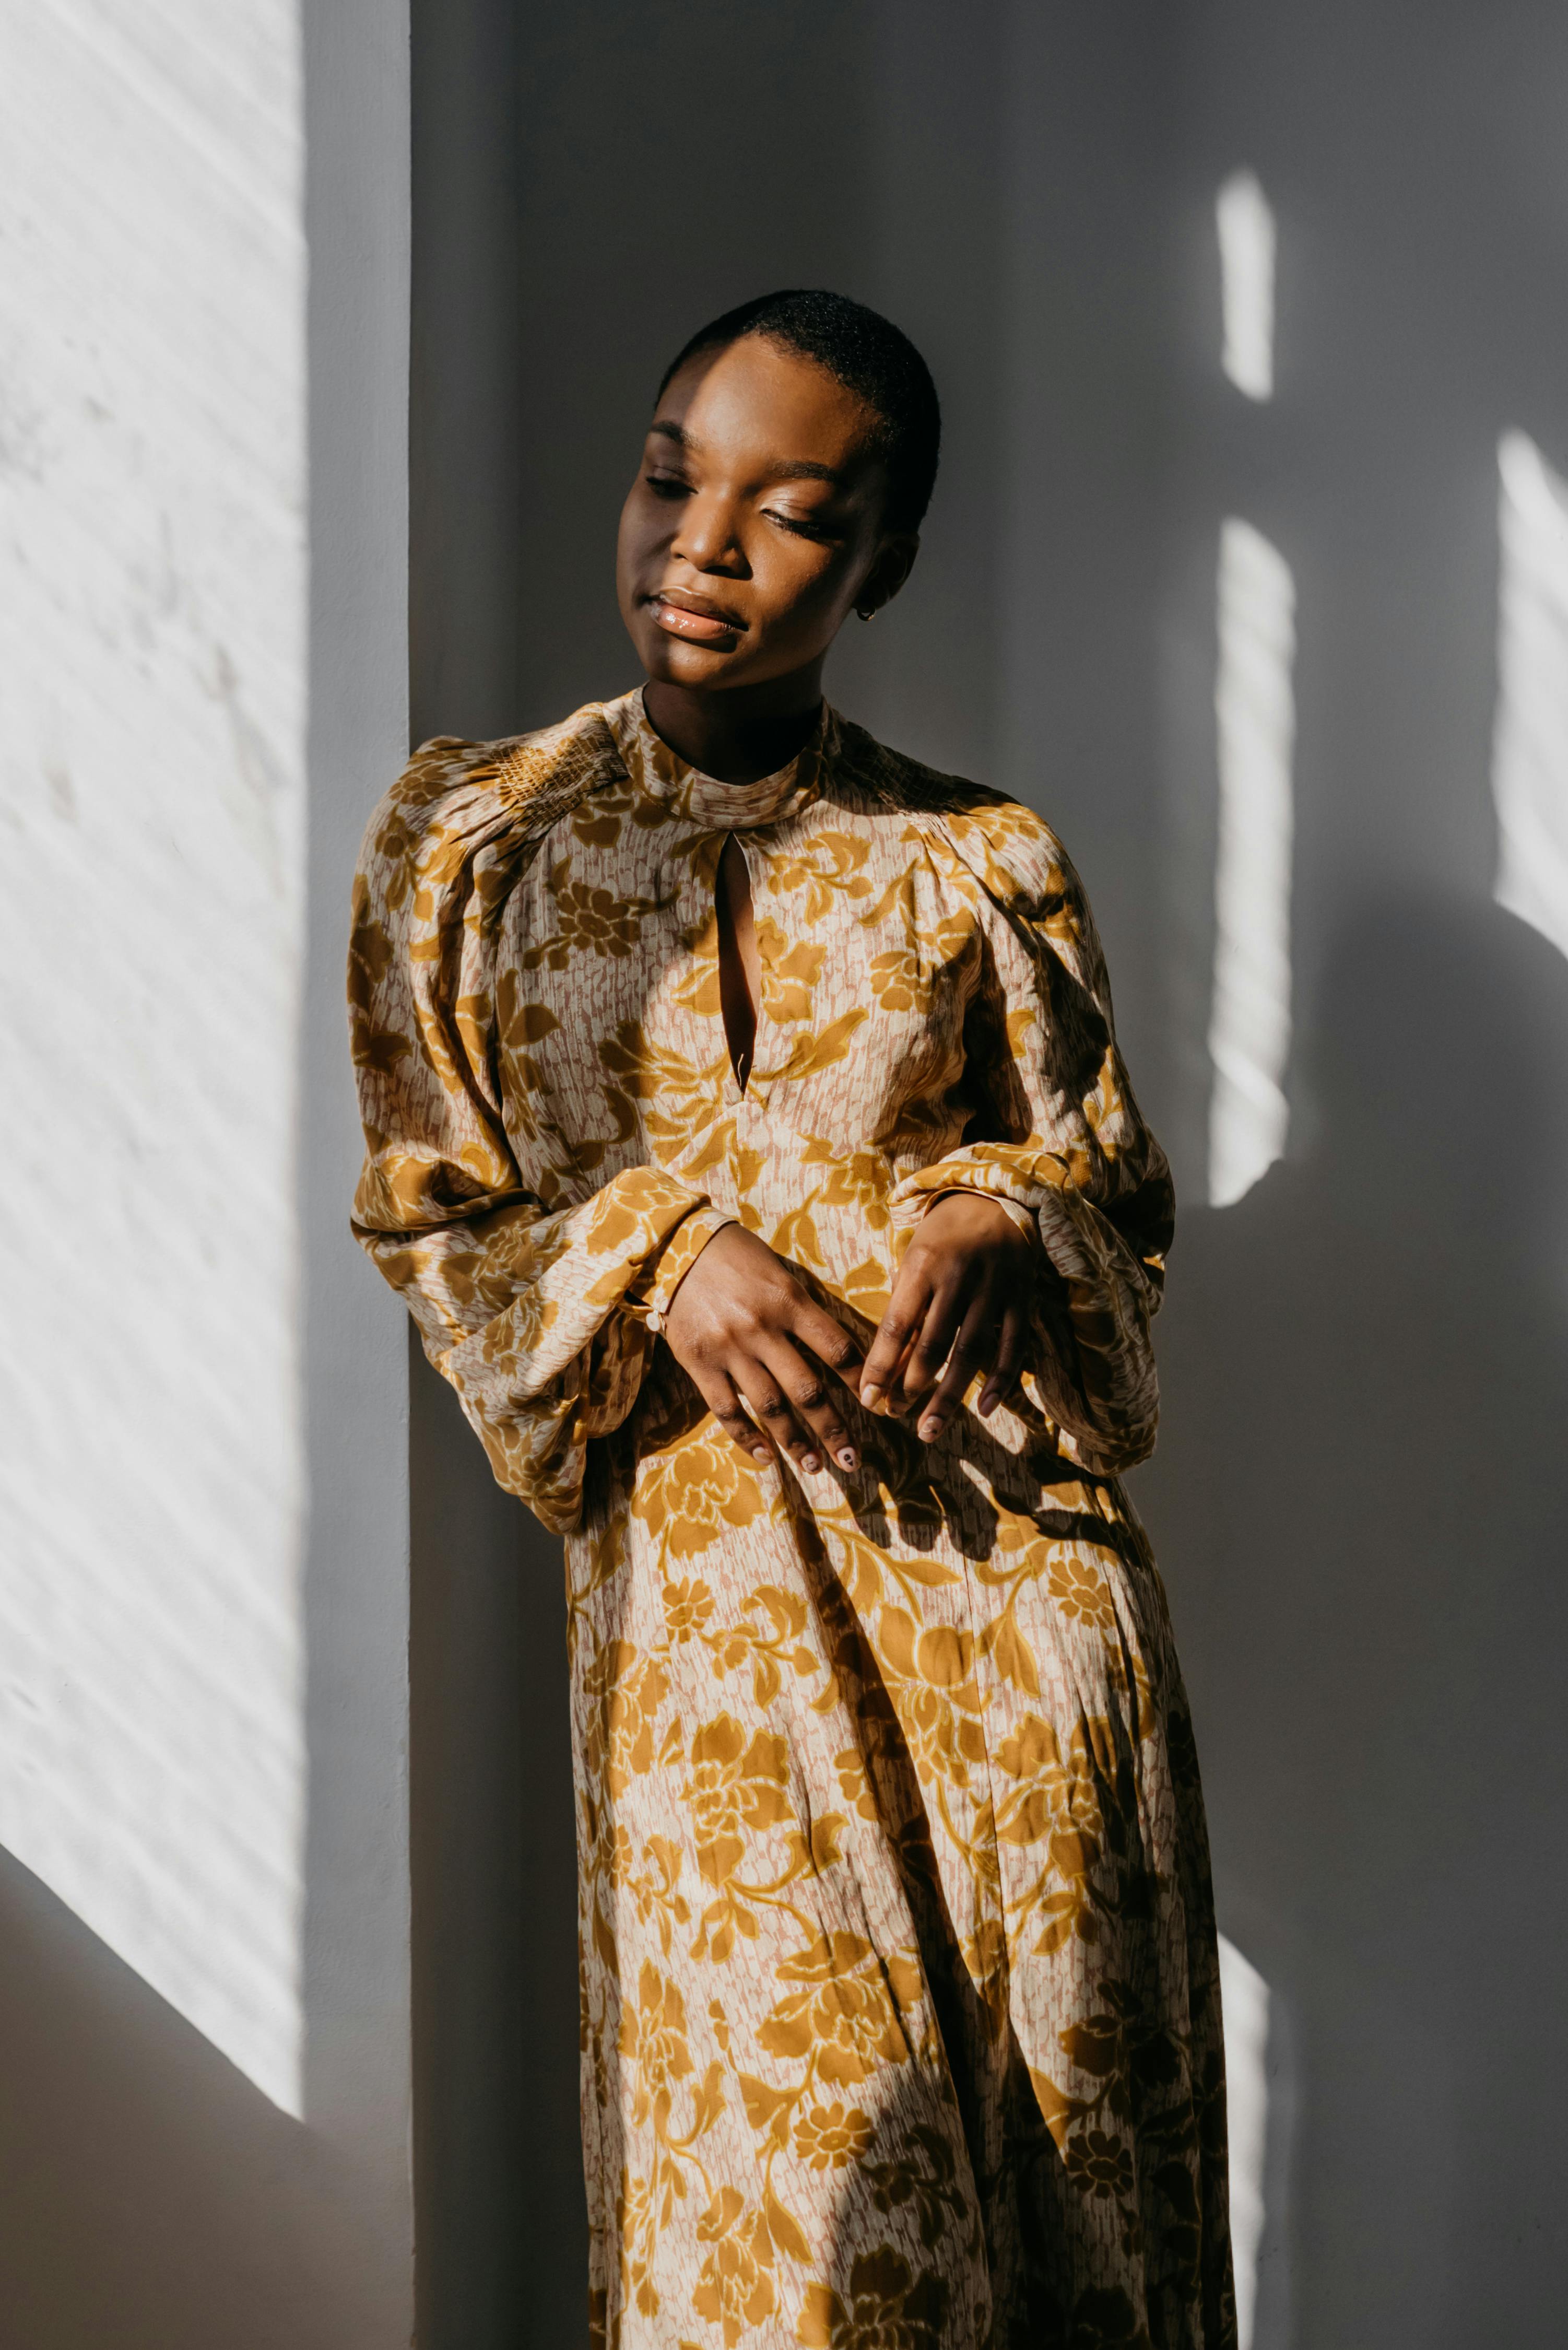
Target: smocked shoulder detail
x: 548, y: 772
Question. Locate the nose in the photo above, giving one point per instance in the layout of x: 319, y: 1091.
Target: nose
x: 708, y: 538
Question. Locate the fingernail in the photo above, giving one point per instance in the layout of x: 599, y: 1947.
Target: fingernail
x: 810, y: 1464
x: 847, y: 1458
x: 761, y: 1452
x: 871, y: 1396
x: 930, y: 1430
x: 987, y: 1404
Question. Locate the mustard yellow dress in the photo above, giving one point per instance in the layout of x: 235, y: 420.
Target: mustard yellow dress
x: 899, y: 1989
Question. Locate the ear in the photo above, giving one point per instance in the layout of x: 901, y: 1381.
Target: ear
x: 891, y: 567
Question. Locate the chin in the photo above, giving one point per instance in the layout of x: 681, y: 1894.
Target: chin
x: 668, y: 662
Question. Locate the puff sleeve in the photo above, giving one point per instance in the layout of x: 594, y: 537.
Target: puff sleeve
x: 1056, y: 1134
x: 534, y: 1301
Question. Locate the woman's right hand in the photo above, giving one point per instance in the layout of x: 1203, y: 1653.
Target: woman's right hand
x: 761, y: 1355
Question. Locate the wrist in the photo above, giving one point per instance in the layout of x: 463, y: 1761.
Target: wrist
x: 1020, y: 1218
x: 651, y: 1300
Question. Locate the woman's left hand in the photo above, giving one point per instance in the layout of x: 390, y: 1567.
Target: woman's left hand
x: 961, y: 1299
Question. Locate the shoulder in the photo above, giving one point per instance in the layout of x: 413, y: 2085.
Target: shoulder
x: 492, y: 802
x: 1010, y: 849
x: 455, y: 795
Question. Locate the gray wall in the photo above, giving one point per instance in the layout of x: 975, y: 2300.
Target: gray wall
x: 1358, y: 1499
x: 1360, y: 1494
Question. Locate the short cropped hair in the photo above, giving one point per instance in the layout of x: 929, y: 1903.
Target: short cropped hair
x: 870, y: 356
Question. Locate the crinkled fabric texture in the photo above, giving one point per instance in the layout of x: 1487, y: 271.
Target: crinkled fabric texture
x: 899, y: 1987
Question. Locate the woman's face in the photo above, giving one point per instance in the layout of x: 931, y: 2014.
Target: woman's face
x: 755, y: 525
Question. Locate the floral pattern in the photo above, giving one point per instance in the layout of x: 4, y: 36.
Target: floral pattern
x: 900, y: 2003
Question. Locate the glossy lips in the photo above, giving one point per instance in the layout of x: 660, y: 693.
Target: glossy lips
x: 696, y: 620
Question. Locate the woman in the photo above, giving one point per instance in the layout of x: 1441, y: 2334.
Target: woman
x: 747, y: 1134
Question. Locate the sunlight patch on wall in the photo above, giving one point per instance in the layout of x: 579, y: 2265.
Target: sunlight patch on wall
x: 1530, y: 738
x: 1244, y: 1996
x: 153, y: 639
x: 1245, y: 223
x: 1250, y: 1022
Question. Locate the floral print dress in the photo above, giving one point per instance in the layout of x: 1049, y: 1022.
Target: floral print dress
x: 900, y: 2019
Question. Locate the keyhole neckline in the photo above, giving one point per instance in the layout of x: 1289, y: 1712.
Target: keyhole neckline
x: 655, y: 769
x: 739, y: 959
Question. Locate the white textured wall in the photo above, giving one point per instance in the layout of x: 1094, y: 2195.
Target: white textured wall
x: 203, y: 1951
x: 152, y: 639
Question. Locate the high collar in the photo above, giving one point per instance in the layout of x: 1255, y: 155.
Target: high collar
x: 657, y: 770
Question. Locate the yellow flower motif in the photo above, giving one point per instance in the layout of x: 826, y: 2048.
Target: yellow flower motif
x: 830, y: 2137
x: 734, y: 2287
x: 623, y: 1222
x: 856, y: 1179
x: 1058, y: 1801
x: 904, y: 978
x: 653, y: 2041
x: 997, y: 825
x: 789, y: 970
x: 626, y: 1690
x: 687, y: 1607
x: 690, y: 1495
x: 830, y: 862
x: 886, y: 2308
x: 633, y: 2209
x: 369, y: 958
x: 588, y: 917
x: 897, y: 981
x: 855, y: 1784
x: 1033, y: 1752
x: 844, y: 2012
x: 734, y: 1786
x: 653, y: 1892
x: 1081, y: 1591
x: 931, y: 1680
x: 596, y: 826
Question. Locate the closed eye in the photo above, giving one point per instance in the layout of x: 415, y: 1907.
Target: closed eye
x: 797, y: 523
x: 667, y: 485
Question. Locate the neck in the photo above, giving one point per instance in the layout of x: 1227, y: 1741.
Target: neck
x: 737, y: 737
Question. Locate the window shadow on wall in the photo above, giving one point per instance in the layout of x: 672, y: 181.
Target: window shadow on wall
x: 1361, y: 1497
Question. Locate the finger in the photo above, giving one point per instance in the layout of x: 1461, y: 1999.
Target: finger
x: 935, y: 1343
x: 1008, y: 1361
x: 973, y: 1350
x: 899, y: 1327
x: 827, y: 1339
x: 767, y: 1400
x: 719, y: 1394
x: 813, y: 1399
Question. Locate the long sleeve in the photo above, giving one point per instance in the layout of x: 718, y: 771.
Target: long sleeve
x: 532, y: 1299
x: 1055, y: 1131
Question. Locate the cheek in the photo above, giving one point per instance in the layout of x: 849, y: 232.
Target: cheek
x: 634, y: 556
x: 644, y: 524
x: 804, y: 589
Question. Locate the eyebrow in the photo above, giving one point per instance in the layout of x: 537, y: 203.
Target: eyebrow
x: 789, y: 469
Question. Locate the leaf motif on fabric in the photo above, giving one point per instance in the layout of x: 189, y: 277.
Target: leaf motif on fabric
x: 1004, y: 1646
x: 786, y: 2231
x: 789, y: 971
x: 808, y: 1056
